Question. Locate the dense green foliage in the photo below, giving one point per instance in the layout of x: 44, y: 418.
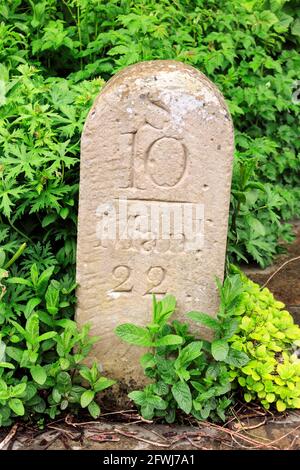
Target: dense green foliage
x: 268, y: 335
x: 254, y: 348
x: 187, y: 374
x: 40, y: 373
x: 54, y: 58
x: 49, y: 53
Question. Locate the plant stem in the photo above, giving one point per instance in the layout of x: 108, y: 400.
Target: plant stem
x: 16, y: 256
x: 18, y: 231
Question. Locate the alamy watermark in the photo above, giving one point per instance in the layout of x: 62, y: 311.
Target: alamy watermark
x: 145, y: 220
x: 2, y: 92
x: 296, y: 92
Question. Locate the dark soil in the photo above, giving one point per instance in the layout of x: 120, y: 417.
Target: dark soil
x: 249, y: 427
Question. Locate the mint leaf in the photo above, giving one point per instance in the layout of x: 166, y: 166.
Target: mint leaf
x: 189, y: 353
x: 237, y: 358
x: 169, y: 340
x: 86, y: 398
x: 16, y: 405
x: 103, y: 383
x: 204, y: 319
x: 38, y: 374
x: 219, y: 349
x: 94, y: 409
x: 182, y: 394
x: 134, y: 334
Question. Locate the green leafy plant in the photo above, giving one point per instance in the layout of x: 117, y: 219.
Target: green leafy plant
x: 263, y: 342
x: 225, y: 325
x: 268, y: 335
x: 41, y: 349
x: 254, y: 347
x: 249, y: 49
x: 186, y: 376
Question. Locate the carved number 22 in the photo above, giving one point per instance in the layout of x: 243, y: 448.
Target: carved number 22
x: 155, y: 276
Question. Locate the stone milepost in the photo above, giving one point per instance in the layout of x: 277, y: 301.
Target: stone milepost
x: 156, y: 163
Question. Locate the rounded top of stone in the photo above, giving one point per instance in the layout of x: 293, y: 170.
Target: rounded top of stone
x: 166, y: 74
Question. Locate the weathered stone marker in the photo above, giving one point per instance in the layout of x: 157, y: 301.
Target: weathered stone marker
x: 156, y: 161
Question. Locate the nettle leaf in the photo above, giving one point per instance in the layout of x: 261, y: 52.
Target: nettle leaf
x: 204, y: 319
x: 19, y: 328
x: 18, y: 280
x: 64, y: 363
x: 14, y: 353
x: 134, y: 334
x: 182, y: 394
x: 30, y: 391
x: 34, y: 273
x: 49, y: 219
x: 2, y: 258
x: 147, y: 411
x: 219, y: 349
x: 165, y: 368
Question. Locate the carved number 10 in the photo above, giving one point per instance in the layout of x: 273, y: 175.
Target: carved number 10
x: 155, y: 276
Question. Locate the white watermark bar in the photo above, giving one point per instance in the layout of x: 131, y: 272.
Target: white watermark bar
x: 296, y: 93
x: 151, y: 220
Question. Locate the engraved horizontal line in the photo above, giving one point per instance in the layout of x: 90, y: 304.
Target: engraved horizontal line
x: 153, y: 200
